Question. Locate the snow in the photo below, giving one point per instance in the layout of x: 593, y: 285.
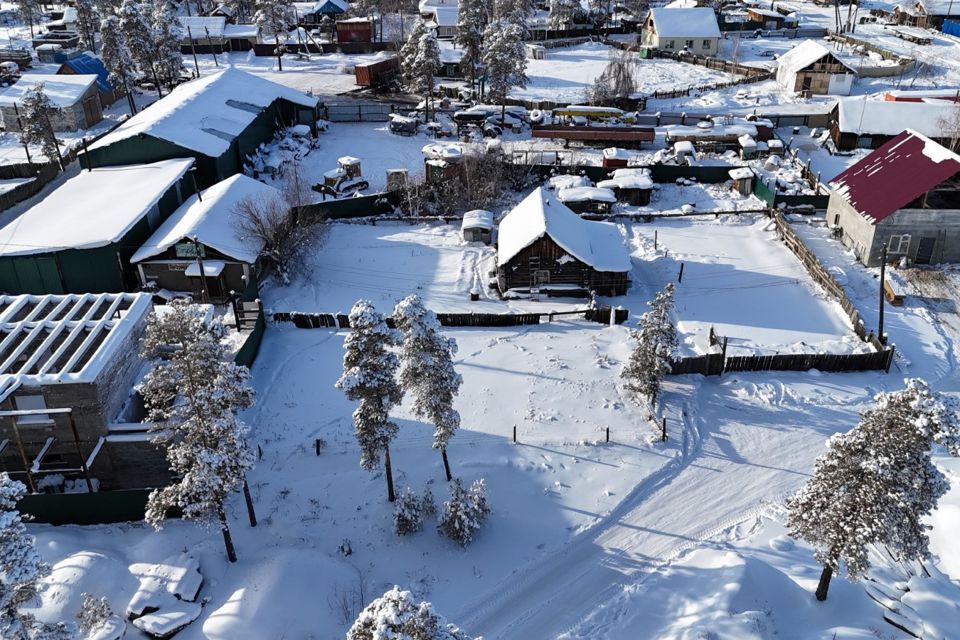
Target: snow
x: 204, y: 115
x: 881, y: 117
x: 211, y: 218
x: 63, y: 90
x: 567, y: 181
x: 211, y: 269
x: 597, y: 244
x: 741, y: 173
x: 585, y: 194
x: 477, y: 219
x: 85, y: 212
x: 166, y: 623
x: 801, y: 56
x: 700, y: 22
x: 202, y: 27
x: 626, y: 178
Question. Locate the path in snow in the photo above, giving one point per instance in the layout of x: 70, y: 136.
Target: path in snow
x: 751, y: 445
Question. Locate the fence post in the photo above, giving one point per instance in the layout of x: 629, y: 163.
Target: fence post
x: 663, y: 436
x: 608, y: 434
x: 514, y: 434
x: 680, y: 276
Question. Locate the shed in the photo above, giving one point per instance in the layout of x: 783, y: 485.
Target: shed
x: 543, y: 245
x: 904, y: 196
x: 742, y: 180
x: 168, y: 259
x: 355, y: 30
x: 748, y: 147
x: 76, y: 96
x: 684, y: 151
x: 79, y: 239
x: 812, y: 69
x: 202, y: 34
x: 770, y: 19
x: 241, y: 37
x: 615, y: 157
x: 477, y: 226
x: 597, y: 200
x: 694, y: 29
x: 867, y: 124
x: 631, y: 186
x: 218, y: 119
x: 89, y: 64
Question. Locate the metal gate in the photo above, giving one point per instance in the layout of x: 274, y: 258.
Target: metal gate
x: 359, y: 112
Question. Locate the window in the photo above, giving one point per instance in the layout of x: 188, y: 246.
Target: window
x: 668, y: 44
x: 29, y: 403
x: 706, y: 45
x: 898, y: 245
x: 688, y: 44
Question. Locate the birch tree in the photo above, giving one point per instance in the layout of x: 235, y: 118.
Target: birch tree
x: 275, y: 17
x: 368, y: 377
x: 117, y: 58
x: 656, y: 346
x: 875, y: 484
x: 36, y: 120
x: 191, y: 397
x: 505, y: 60
x: 427, y: 373
x: 396, y: 614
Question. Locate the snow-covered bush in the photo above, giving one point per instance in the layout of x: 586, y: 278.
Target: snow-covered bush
x: 93, y: 614
x: 407, y: 513
x: 396, y: 615
x: 464, y: 512
x: 428, y: 506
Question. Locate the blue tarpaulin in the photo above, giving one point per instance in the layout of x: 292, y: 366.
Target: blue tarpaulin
x: 91, y: 65
x: 951, y: 27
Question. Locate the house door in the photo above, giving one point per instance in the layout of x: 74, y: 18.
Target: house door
x: 805, y: 83
x: 541, y: 276
x: 91, y: 111
x: 925, y: 250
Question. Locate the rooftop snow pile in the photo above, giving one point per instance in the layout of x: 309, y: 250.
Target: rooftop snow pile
x: 586, y: 194
x: 92, y: 209
x: 889, y: 118
x: 700, y: 22
x: 205, y: 115
x: 597, y: 244
x: 212, y: 220
x: 477, y: 219
x: 567, y: 181
x: 628, y: 178
x: 63, y: 91
x: 802, y: 56
x: 895, y: 174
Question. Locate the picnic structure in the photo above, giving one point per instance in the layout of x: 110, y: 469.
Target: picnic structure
x: 858, y: 123
x: 76, y: 96
x: 218, y: 120
x: 691, y: 29
x: 69, y: 366
x: 79, y: 239
x: 477, y: 226
x: 812, y: 69
x: 204, y: 232
x: 544, y: 247
x: 904, y: 197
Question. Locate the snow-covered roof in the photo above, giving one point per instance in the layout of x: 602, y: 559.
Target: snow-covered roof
x: 805, y: 54
x: 882, y: 117
x: 440, y: 151
x: 564, y: 181
x: 615, y: 153
x: 695, y: 22
x: 93, y: 209
x: 206, y: 114
x: 741, y: 173
x: 200, y: 26
x: 597, y: 244
x: 586, y: 194
x: 321, y: 6
x: 477, y: 219
x: 940, y: 7
x: 425, y: 5
x: 211, y: 219
x: 241, y: 31
x: 63, y: 90
x: 64, y: 338
x: 444, y: 16
x: 629, y: 178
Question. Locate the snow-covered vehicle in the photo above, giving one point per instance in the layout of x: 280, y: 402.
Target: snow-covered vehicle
x: 345, y: 180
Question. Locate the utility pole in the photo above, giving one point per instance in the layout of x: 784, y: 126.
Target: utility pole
x: 193, y: 50
x: 883, y: 273
x: 198, y: 248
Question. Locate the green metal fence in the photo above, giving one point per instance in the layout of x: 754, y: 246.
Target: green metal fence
x: 86, y: 508
x: 763, y: 191
x: 248, y: 352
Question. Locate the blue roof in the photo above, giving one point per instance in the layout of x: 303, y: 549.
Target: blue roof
x: 86, y: 63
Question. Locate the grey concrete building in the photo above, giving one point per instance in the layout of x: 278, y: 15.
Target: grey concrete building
x: 904, y: 197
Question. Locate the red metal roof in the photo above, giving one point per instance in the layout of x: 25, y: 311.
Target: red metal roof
x: 894, y: 175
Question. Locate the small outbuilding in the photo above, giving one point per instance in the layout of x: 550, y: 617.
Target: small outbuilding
x: 77, y: 97
x: 169, y: 258
x: 742, y: 180
x: 477, y: 226
x: 771, y: 19
x: 614, y: 157
x: 544, y: 246
x: 748, y: 147
x: 859, y: 123
x: 632, y: 186
x: 88, y: 64
x: 588, y: 200
x: 692, y: 29
x: 812, y: 69
x: 355, y: 30
x: 202, y: 34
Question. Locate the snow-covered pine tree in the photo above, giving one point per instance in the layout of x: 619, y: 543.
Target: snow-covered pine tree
x: 655, y: 349
x: 408, y: 54
x: 426, y: 371
x: 166, y: 44
x: 407, y: 513
x: 876, y: 483
x: 396, y: 614
x: 464, y: 512
x: 505, y: 60
x: 427, y: 65
x: 30, y: 12
x: 36, y: 118
x: 275, y: 17
x: 138, y: 35
x: 368, y: 376
x: 94, y: 612
x: 191, y: 397
x: 472, y: 18
x: 564, y: 13
x: 117, y: 58
x: 88, y: 19
x: 516, y: 11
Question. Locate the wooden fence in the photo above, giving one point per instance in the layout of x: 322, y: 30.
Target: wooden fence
x: 341, y: 321
x: 715, y: 364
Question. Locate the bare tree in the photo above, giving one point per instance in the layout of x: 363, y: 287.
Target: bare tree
x: 950, y: 127
x: 617, y: 80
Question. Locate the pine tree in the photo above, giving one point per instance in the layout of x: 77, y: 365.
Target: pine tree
x: 397, y: 615
x: 875, y: 484
x: 88, y: 18
x: 408, y: 54
x: 36, y: 119
x: 564, y: 13
x: 117, y: 58
x: 472, y: 18
x: 166, y: 44
x: 275, y: 17
x: 420, y: 62
x: 138, y: 36
x: 368, y: 376
x: 30, y: 12
x: 464, y: 512
x: 191, y: 397
x: 505, y: 59
x: 656, y: 346
x: 407, y: 513
x: 515, y: 11
x: 426, y: 371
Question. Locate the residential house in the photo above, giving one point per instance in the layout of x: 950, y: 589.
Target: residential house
x: 771, y: 19
x: 312, y: 13
x: 207, y: 224
x: 695, y: 30
x: 927, y: 13
x: 218, y: 119
x: 543, y: 245
x: 89, y: 64
x: 904, y: 196
x: 79, y: 239
x: 444, y: 20
x: 812, y: 69
x: 78, y: 357
x: 868, y: 124
x: 76, y: 95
